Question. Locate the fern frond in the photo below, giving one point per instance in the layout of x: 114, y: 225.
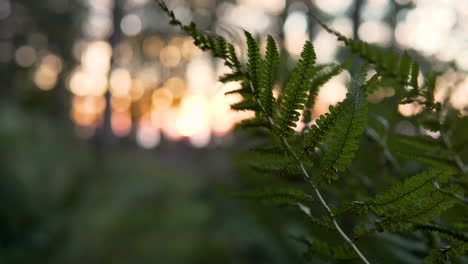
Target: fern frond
x: 321, y: 76
x: 253, y: 123
x: 425, y: 143
x: 232, y: 77
x: 278, y: 196
x: 442, y: 255
x: 429, y: 88
x: 403, y: 196
x: 294, y: 95
x: 322, y: 249
x: 421, y: 148
x: 244, y: 91
x: 254, y: 61
x: 319, y: 131
x: 447, y: 233
x: 427, y: 210
x: 342, y: 140
x: 274, y: 164
x: 414, y: 76
x: 388, y: 63
x: 405, y: 67
x: 216, y: 44
x: 363, y: 230
x: 415, y: 201
x: 268, y: 75
x: 245, y: 105
x: 372, y: 84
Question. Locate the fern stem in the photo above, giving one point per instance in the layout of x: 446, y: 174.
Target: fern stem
x: 461, y: 166
x: 307, y: 176
x: 453, y: 195
x: 455, y: 156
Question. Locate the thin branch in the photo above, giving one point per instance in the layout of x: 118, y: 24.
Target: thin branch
x: 453, y: 195
x: 461, y: 166
x: 456, y: 157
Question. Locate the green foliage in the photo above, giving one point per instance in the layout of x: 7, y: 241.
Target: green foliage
x: 342, y: 140
x: 442, y: 255
x: 447, y: 233
x: 326, y: 250
x: 393, y: 66
x: 422, y: 148
x: 216, y: 44
x: 254, y: 60
x: 278, y: 196
x: 295, y: 94
x: 318, y: 131
x: 324, y: 151
x: 322, y: 75
x: 269, y: 74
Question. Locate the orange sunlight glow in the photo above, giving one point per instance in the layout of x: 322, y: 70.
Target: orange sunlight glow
x: 121, y: 123
x: 87, y: 110
x: 193, y: 116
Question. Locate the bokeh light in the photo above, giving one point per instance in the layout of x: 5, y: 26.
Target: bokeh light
x: 163, y: 87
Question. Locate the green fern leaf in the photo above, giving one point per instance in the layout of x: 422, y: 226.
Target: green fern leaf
x: 268, y: 76
x: 372, y: 84
x: 404, y: 67
x: 215, y: 44
x: 424, y: 143
x: 253, y: 123
x: 402, y: 197
x: 319, y: 131
x: 322, y: 249
x: 278, y: 196
x: 446, y: 233
x: 429, y: 88
x: 232, y: 77
x: 442, y: 255
x: 254, y: 61
x: 421, y: 148
x: 294, y: 95
x: 415, y: 201
x: 414, y: 76
x: 321, y: 76
x: 245, y: 105
x: 423, y: 212
x: 342, y: 140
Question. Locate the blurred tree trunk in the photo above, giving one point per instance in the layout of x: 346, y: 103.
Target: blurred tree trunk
x: 104, y: 136
x: 358, y: 4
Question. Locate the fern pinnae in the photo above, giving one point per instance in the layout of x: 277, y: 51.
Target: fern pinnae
x: 254, y: 61
x: 321, y: 76
x: 342, y: 140
x: 268, y: 75
x: 404, y: 195
x: 372, y: 84
x: 217, y: 45
x: 319, y: 131
x: 390, y: 64
x: 442, y: 255
x: 278, y: 195
x: 232, y: 77
x: 447, y: 233
x: 294, y: 95
x: 419, y: 214
x: 326, y: 250
x: 414, y: 76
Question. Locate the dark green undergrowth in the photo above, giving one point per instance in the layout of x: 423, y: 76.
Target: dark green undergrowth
x: 64, y: 201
